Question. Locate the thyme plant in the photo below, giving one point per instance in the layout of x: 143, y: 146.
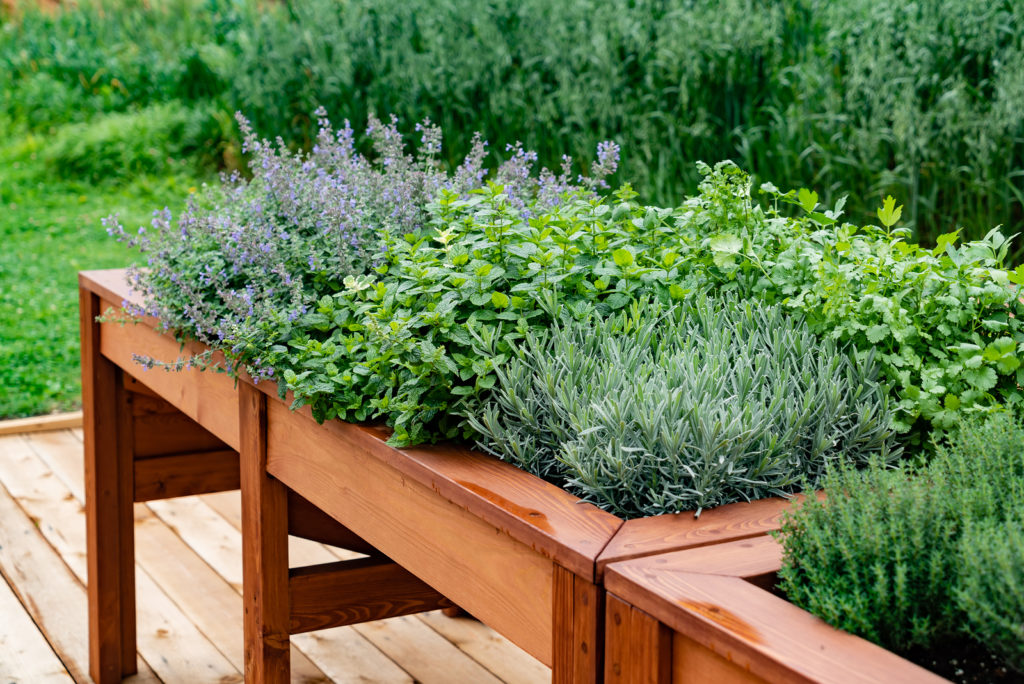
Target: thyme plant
x: 901, y: 557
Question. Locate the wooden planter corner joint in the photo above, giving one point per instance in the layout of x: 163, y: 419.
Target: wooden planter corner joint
x: 708, y: 616
x: 439, y: 525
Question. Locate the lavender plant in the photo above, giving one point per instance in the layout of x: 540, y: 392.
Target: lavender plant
x: 247, y: 258
x: 660, y: 410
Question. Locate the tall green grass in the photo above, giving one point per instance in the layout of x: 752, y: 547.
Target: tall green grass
x: 922, y: 100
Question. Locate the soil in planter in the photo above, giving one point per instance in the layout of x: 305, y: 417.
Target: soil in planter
x: 966, y: 663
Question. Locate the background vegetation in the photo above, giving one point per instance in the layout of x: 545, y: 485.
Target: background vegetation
x: 50, y: 229
x: 918, y: 100
x: 870, y: 97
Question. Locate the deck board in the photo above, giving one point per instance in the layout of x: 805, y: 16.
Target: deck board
x: 188, y: 568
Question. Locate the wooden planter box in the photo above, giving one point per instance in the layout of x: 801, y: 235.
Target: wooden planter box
x: 708, y: 616
x: 441, y: 524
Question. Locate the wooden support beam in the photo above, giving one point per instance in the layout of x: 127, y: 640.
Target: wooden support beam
x: 309, y: 522
x: 360, y: 590
x: 166, y: 477
x: 108, y: 505
x: 161, y: 429
x: 638, y: 646
x: 577, y: 628
x: 264, y: 549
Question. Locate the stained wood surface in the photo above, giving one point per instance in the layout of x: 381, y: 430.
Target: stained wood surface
x: 541, y: 515
x: 166, y: 477
x: 57, y: 421
x: 758, y: 632
x: 638, y: 647
x: 108, y: 502
x: 26, y: 657
x: 264, y: 549
x: 674, y: 532
x: 578, y: 626
x: 161, y: 429
x: 354, y: 591
x: 394, y: 637
x: 187, y: 607
x: 496, y: 578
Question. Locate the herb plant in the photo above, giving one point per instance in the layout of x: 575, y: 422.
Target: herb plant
x: 946, y: 325
x: 247, y: 258
x: 883, y: 555
x: 991, y: 590
x: 656, y: 410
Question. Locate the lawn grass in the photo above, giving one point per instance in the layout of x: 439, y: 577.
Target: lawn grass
x: 49, y: 230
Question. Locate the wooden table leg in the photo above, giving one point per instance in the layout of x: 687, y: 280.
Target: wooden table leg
x: 264, y: 549
x: 577, y: 629
x: 108, y: 506
x: 638, y: 648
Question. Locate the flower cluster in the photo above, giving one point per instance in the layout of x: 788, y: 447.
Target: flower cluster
x: 254, y: 254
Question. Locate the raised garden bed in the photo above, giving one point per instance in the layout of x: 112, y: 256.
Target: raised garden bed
x: 708, y: 615
x: 440, y: 524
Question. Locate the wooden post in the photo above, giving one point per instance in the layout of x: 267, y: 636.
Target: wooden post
x: 264, y: 549
x: 577, y: 629
x: 638, y: 648
x: 108, y: 506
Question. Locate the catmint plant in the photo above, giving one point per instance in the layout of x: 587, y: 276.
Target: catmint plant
x: 248, y: 257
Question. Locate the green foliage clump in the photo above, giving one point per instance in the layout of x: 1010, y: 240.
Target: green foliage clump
x: 991, y: 590
x: 882, y: 556
x: 657, y: 410
x: 945, y: 324
x: 151, y: 140
x: 418, y: 338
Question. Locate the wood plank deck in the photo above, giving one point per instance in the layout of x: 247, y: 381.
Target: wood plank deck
x: 188, y: 574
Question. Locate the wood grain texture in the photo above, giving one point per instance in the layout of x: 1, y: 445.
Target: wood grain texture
x: 59, y: 421
x: 547, y: 518
x: 108, y: 505
x: 207, y: 397
x: 52, y: 596
x: 264, y: 550
x: 161, y: 429
x: 751, y: 628
x: 694, y: 664
x: 675, y: 532
x: 170, y: 476
x: 24, y: 654
x: 354, y: 591
x: 110, y: 284
x: 638, y: 648
x: 167, y: 640
x: 541, y: 515
x: 501, y: 581
x: 578, y: 628
x: 309, y: 522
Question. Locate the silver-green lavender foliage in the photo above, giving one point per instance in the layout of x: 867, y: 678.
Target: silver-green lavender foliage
x: 660, y: 410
